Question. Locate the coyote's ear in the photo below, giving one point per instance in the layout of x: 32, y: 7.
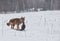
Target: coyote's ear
x: 22, y: 17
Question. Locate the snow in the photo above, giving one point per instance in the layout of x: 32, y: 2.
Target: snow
x: 40, y: 26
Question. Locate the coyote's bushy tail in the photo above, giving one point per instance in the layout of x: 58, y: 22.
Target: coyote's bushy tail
x: 8, y: 24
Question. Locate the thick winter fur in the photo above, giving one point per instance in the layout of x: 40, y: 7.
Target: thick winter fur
x: 15, y: 21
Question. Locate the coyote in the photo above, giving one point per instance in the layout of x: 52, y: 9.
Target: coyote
x: 16, y: 21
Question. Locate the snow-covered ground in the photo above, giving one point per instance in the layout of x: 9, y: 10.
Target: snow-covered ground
x: 40, y: 26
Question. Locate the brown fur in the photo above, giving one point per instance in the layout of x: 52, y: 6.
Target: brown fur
x: 15, y: 21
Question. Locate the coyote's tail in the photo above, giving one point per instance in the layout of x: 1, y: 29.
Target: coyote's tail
x: 8, y: 24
